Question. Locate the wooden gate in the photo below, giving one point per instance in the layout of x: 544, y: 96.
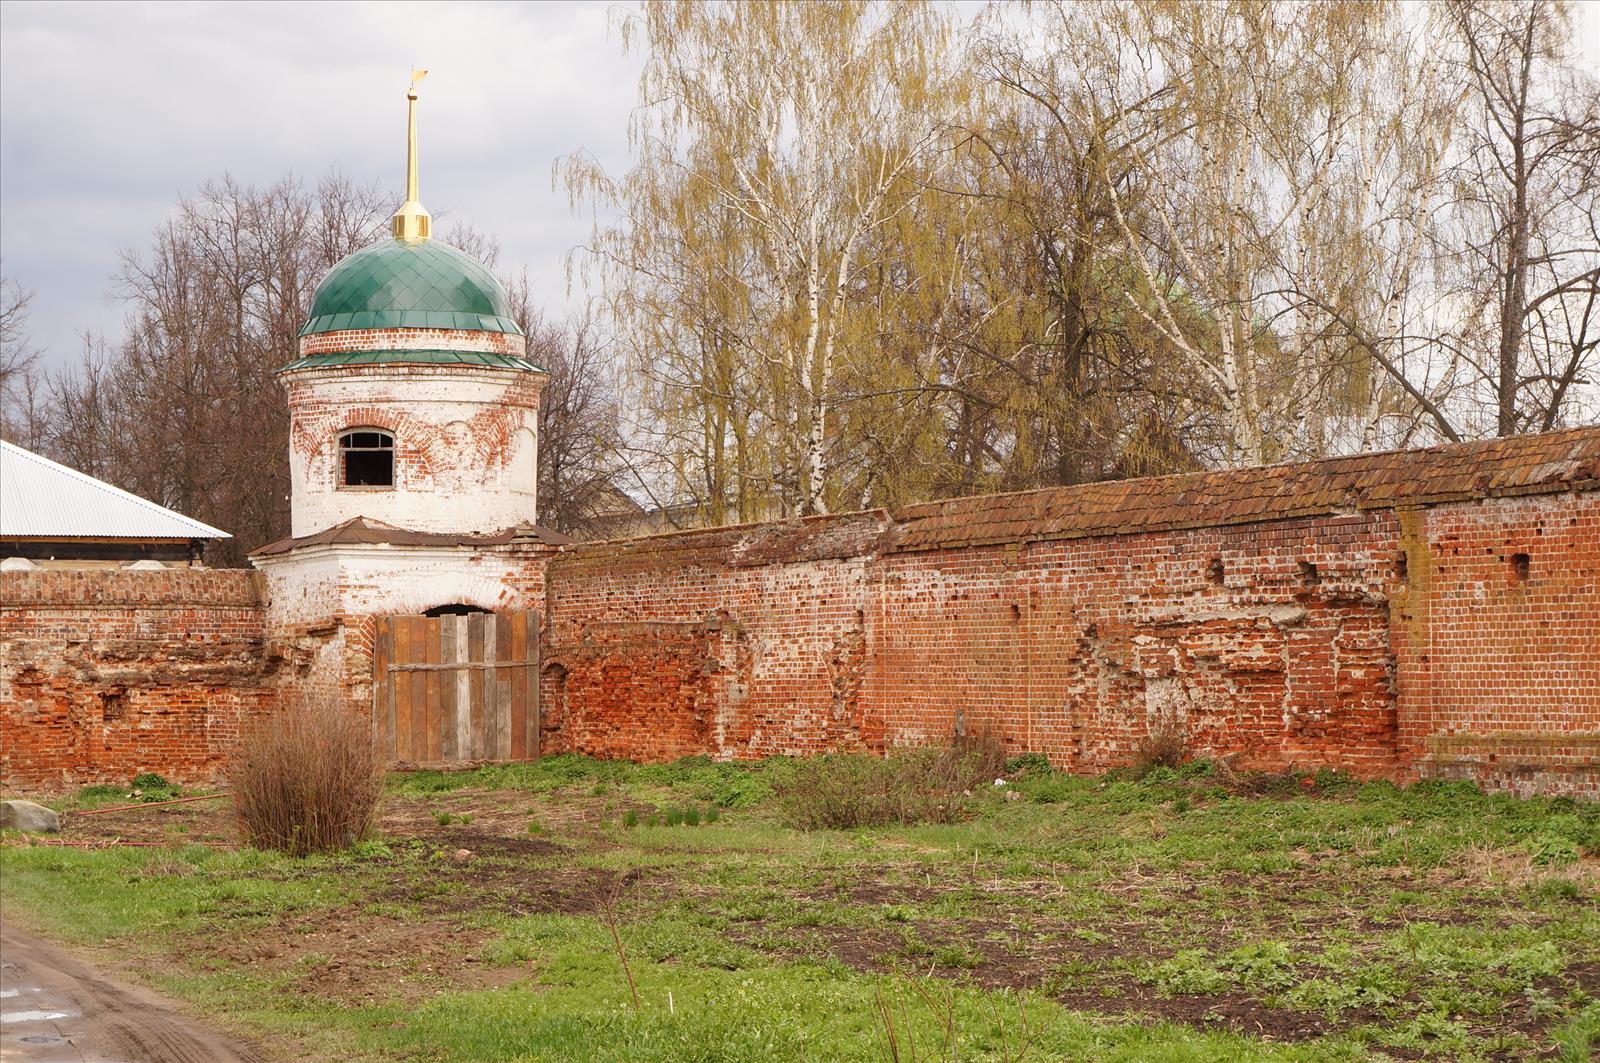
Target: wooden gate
x: 455, y: 690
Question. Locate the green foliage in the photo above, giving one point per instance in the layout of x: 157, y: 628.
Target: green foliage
x: 148, y: 786
x: 1190, y: 971
x: 1318, y: 903
x: 1551, y: 850
x: 1028, y: 764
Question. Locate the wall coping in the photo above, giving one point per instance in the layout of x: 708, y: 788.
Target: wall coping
x: 1551, y: 463
x: 102, y: 588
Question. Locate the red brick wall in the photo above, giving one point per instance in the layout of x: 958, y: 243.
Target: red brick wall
x: 1499, y: 642
x: 669, y: 646
x: 1366, y: 613
x: 108, y: 673
x: 743, y: 641
x: 1078, y: 649
x: 413, y: 339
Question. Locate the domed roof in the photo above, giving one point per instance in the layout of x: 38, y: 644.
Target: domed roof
x: 409, y: 284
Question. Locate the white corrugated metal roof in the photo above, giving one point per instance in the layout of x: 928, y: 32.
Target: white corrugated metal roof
x: 41, y: 498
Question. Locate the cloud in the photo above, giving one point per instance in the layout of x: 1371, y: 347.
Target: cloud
x: 111, y: 111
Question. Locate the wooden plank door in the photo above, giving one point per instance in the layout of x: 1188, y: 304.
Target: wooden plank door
x: 451, y: 691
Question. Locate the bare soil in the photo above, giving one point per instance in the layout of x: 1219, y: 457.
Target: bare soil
x: 96, y: 1016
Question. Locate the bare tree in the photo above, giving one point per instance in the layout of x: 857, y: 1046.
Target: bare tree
x: 579, y: 415
x: 17, y: 355
x: 185, y: 409
x: 1525, y: 232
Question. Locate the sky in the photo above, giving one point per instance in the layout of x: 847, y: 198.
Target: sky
x: 110, y: 112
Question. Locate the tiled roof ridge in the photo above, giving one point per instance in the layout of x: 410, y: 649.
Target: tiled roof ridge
x: 1513, y: 465
x: 1361, y: 457
x: 370, y: 531
x: 1510, y: 465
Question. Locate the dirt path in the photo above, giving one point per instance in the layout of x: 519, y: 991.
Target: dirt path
x: 55, y: 1008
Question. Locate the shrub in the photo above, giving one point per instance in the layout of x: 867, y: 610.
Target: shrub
x: 849, y: 790
x: 306, y: 779
x: 1164, y: 745
x: 1028, y: 764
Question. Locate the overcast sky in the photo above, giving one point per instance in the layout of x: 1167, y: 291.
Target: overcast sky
x: 109, y: 112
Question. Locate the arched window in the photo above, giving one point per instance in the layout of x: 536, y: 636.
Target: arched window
x: 366, y: 458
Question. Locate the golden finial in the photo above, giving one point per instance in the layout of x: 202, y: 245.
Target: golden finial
x: 412, y: 221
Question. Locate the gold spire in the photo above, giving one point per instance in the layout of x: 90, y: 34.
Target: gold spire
x: 412, y: 221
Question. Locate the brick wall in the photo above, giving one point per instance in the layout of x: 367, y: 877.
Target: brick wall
x: 1499, y: 642
x: 104, y: 674
x: 1425, y: 613
x: 413, y: 339
x: 1429, y: 612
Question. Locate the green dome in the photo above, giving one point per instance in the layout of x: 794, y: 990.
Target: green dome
x: 409, y: 284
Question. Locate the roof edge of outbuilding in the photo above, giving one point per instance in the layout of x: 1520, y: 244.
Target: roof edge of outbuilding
x: 200, y: 530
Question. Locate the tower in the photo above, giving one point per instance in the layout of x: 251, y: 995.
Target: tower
x: 413, y: 457
x: 412, y: 402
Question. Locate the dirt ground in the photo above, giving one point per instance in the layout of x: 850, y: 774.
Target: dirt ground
x: 55, y: 1007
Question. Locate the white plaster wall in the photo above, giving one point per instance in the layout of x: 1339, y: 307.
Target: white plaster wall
x: 317, y: 593
x: 466, y: 446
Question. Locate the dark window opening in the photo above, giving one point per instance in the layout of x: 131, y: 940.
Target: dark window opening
x: 1308, y: 572
x: 1216, y: 573
x: 454, y: 609
x: 1519, y: 567
x: 366, y: 459
x: 1403, y: 567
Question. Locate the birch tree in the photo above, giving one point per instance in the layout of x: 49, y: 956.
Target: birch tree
x: 1244, y: 113
x: 774, y: 144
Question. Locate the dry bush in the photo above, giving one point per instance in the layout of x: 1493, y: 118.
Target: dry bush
x: 1164, y: 745
x: 848, y: 790
x: 307, y: 779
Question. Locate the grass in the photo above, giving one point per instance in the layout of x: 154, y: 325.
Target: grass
x: 1179, y: 915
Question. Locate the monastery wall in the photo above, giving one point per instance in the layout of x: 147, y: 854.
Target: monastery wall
x: 104, y: 674
x: 1421, y: 613
x: 1427, y: 613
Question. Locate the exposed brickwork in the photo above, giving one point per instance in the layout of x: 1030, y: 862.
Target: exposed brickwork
x: 106, y: 674
x: 1368, y: 613
x: 413, y: 339
x: 1499, y: 642
x: 1432, y: 613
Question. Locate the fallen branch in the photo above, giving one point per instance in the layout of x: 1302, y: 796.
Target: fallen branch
x: 147, y: 804
x: 94, y: 843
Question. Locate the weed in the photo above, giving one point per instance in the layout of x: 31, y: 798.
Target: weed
x: 630, y: 818
x: 1551, y: 850
x: 1028, y: 764
x: 1164, y: 745
x: 929, y: 785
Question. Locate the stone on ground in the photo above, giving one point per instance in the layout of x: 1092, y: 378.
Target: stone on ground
x: 27, y: 816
